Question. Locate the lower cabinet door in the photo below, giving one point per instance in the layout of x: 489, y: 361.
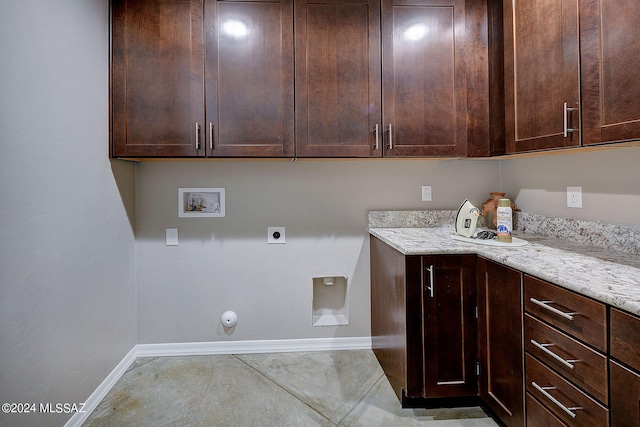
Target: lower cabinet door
x: 625, y: 396
x: 500, y: 348
x: 449, y: 325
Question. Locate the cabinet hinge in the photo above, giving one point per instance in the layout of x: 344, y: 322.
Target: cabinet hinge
x: 476, y: 311
x: 478, y: 368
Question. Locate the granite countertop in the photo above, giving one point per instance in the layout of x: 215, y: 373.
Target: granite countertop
x: 607, y: 275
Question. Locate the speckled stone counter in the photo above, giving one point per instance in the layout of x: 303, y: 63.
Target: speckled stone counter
x: 607, y: 275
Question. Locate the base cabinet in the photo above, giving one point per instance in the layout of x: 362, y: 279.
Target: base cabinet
x: 423, y: 324
x: 546, y: 355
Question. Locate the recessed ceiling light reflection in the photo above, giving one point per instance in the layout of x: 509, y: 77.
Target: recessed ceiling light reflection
x: 235, y: 29
x: 416, y: 32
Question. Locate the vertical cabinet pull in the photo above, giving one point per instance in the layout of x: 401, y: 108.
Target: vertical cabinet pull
x: 375, y: 130
x: 390, y: 137
x: 543, y: 390
x: 210, y: 135
x: 431, y: 270
x: 197, y: 136
x: 545, y: 305
x: 567, y: 110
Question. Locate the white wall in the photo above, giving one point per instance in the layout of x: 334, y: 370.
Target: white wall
x: 225, y: 263
x: 67, y: 307
x: 610, y: 182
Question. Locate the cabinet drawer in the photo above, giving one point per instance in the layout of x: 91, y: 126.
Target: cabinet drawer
x: 557, y: 393
x: 539, y: 416
x: 625, y: 338
x: 585, y: 367
x: 574, y: 314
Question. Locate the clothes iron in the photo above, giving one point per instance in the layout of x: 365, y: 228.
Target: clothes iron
x: 467, y: 219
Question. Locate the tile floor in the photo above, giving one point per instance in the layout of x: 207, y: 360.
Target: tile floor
x: 332, y: 388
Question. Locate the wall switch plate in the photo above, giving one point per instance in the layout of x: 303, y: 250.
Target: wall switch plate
x: 426, y: 193
x: 574, y: 197
x: 275, y: 235
x: 172, y: 237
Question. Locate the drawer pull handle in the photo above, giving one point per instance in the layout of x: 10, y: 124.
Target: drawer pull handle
x: 543, y: 390
x: 568, y: 363
x: 545, y: 304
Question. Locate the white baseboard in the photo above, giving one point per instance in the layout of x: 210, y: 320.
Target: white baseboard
x: 212, y: 348
x: 253, y: 346
x: 96, y: 397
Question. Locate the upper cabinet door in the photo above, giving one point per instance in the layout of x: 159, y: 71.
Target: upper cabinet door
x: 338, y: 78
x: 542, y: 69
x: 610, y: 71
x: 249, y: 78
x: 157, y: 78
x: 424, y: 77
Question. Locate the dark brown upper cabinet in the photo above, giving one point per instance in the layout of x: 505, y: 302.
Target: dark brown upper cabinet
x: 338, y: 78
x: 570, y: 73
x: 424, y: 75
x: 249, y: 78
x: 230, y: 78
x: 160, y: 77
x: 610, y: 48
x: 542, y: 74
x: 157, y: 77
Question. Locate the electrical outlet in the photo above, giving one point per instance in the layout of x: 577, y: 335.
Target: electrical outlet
x: 275, y: 235
x: 574, y: 197
x: 426, y: 193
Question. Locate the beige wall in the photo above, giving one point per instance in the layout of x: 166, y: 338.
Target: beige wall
x: 67, y: 272
x: 225, y: 263
x: 610, y: 182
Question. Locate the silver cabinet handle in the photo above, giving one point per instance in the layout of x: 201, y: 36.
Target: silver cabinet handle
x: 197, y: 136
x: 545, y: 304
x: 431, y: 271
x: 567, y: 130
x: 390, y: 137
x: 210, y: 136
x: 568, y: 363
x: 543, y: 390
x: 375, y: 130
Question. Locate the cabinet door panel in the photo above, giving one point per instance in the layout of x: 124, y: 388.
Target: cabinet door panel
x: 625, y: 396
x: 450, y: 328
x: 500, y: 345
x: 337, y: 77
x: 249, y: 77
x: 424, y: 77
x: 157, y: 78
x: 610, y: 37
x: 542, y: 72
